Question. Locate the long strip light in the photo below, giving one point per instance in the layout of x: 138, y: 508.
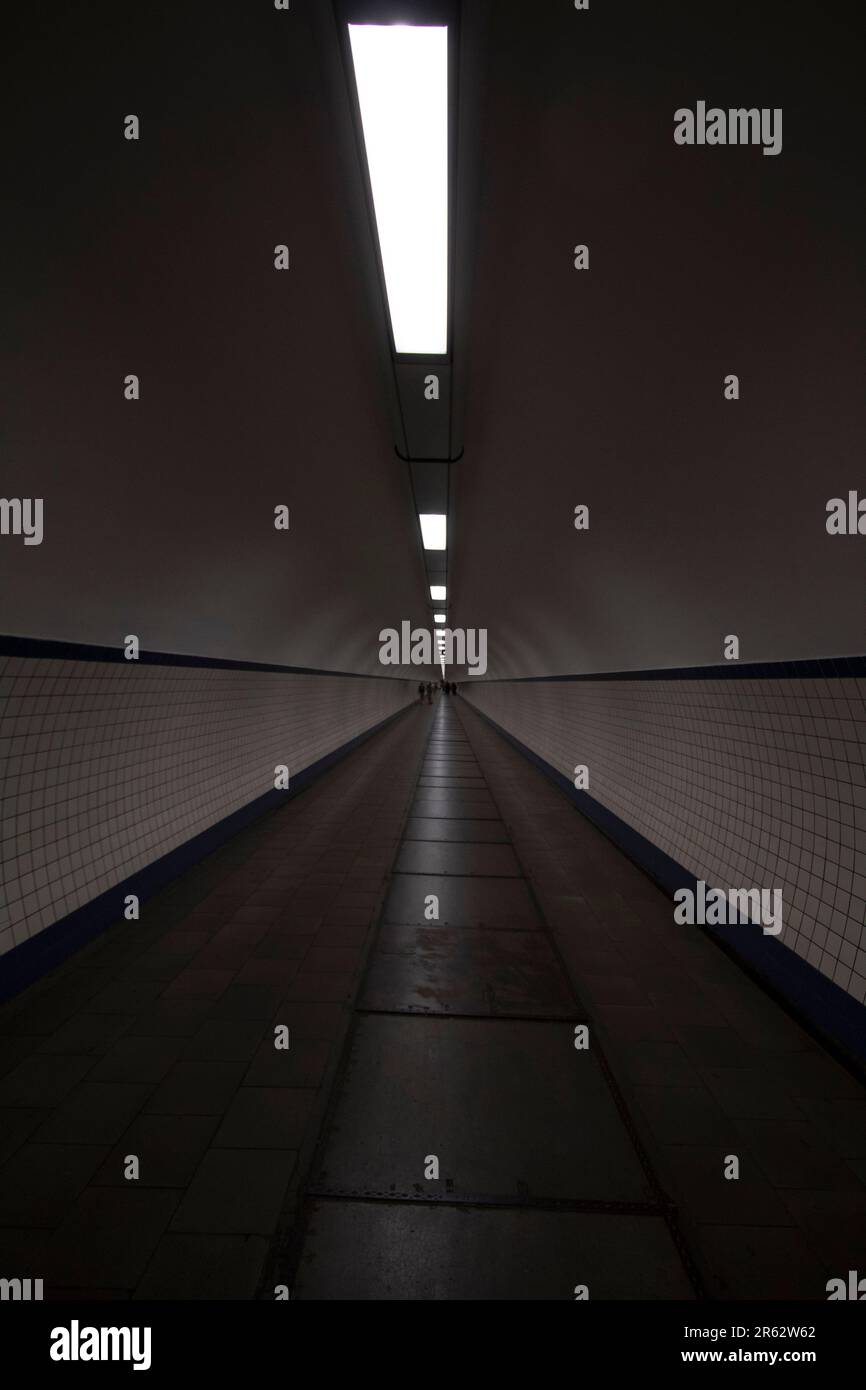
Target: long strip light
x: 401, y: 73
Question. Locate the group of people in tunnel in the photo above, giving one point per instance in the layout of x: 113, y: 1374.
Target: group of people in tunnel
x: 426, y: 689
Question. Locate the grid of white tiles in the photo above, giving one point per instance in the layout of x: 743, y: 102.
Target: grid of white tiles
x: 105, y: 767
x: 747, y: 783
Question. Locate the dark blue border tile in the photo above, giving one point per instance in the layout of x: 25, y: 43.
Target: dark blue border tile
x: 43, y: 648
x: 830, y: 668
x: 826, y: 667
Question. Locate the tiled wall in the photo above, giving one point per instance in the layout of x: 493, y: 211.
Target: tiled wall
x: 107, y: 766
x: 745, y: 783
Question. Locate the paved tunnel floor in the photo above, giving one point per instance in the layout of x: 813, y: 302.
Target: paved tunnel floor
x: 473, y: 1150
x: 412, y: 1040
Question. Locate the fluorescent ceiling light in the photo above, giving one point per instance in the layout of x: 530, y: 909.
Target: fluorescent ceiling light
x: 433, y: 530
x: 401, y: 72
x: 437, y: 591
x: 438, y: 617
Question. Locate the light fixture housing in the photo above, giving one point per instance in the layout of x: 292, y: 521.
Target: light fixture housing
x: 401, y: 79
x: 438, y: 592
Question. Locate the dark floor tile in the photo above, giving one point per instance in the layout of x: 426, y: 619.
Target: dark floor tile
x: 656, y: 1062
x: 178, y: 1018
x: 226, y: 1040
x: 840, y: 1121
x: 236, y: 1192
x: 93, y: 1113
x: 109, y: 1236
x: 209, y: 984
x: 761, y: 1262
x: 196, y: 1088
x: 23, y: 1252
x: 324, y: 1019
x: 214, y: 1268
x: 40, y: 1183
x: 711, y: 1046
x: 342, y: 937
x: 611, y: 988
x: 138, y: 1059
x: 16, y: 1126
x: 169, y: 1149
x: 249, y: 1002
x: 275, y: 973
x: 815, y: 1074
x: 265, y: 1117
x: 43, y: 1079
x: 291, y: 924
x: 792, y: 1154
x: 834, y: 1223
x: 87, y: 1033
x: 302, y: 1064
x: 695, y: 1177
x: 280, y: 945
x: 15, y: 1049
x: 125, y: 997
x: 748, y: 1093
x: 320, y: 987
x: 330, y: 959
x: 683, y: 1114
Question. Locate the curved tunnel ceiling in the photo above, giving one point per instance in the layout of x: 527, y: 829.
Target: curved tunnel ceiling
x: 258, y: 387
x: 604, y: 387
x: 599, y: 387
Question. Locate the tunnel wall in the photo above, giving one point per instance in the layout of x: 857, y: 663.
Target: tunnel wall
x: 744, y: 782
x: 109, y: 765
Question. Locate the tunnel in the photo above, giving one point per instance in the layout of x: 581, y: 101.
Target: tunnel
x: 432, y: 675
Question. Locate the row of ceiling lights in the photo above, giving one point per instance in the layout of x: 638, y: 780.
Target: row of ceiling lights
x: 401, y: 80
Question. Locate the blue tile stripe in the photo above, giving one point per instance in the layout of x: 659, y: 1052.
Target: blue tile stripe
x: 821, y: 667
x: 830, y: 668
x: 43, y: 648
